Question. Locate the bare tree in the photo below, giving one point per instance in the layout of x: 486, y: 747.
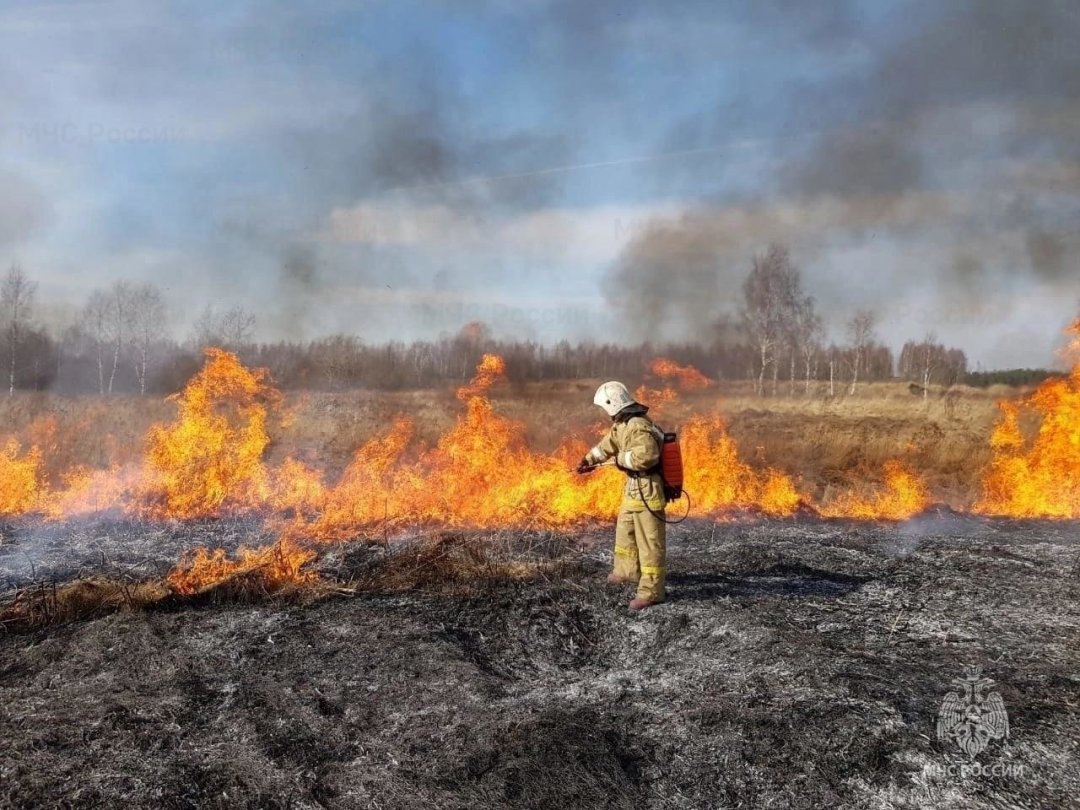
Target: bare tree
x: 231, y: 329
x: 94, y: 324
x: 832, y: 371
x: 928, y: 362
x: 146, y: 309
x: 769, y: 295
x: 930, y: 354
x: 861, y: 332
x: 237, y: 326
x: 808, y: 332
x: 204, y: 330
x: 16, y: 300
x: 118, y: 322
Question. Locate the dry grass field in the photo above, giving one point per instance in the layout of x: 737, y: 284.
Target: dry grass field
x: 825, y: 443
x: 800, y: 661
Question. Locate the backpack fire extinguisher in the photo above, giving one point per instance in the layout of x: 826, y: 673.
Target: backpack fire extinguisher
x: 671, y: 466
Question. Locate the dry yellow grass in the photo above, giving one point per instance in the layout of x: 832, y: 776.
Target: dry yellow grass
x: 83, y: 430
x: 824, y: 442
x: 836, y: 443
x: 49, y: 604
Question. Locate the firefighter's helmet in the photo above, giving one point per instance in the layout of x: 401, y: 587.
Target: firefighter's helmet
x: 612, y: 397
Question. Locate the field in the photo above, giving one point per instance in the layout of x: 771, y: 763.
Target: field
x: 826, y: 443
x: 800, y: 662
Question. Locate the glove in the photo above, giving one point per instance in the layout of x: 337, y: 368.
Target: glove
x: 584, y: 467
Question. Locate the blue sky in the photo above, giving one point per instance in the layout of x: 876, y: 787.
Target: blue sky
x: 392, y: 169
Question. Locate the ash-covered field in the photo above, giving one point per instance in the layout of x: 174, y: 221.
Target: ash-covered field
x: 798, y: 664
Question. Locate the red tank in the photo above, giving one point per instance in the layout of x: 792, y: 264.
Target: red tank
x: 671, y: 467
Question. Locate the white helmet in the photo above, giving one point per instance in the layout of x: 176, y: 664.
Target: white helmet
x: 612, y: 397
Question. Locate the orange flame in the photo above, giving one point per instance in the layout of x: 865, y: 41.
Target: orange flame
x: 675, y: 378
x: 480, y: 474
x: 88, y: 491
x: 361, y: 497
x: 903, y: 497
x: 718, y: 480
x: 685, y: 378
x: 20, y: 477
x: 1038, y: 476
x: 296, y: 488
x: 275, y: 566
x: 212, y: 454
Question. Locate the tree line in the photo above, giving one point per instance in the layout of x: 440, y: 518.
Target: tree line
x: 119, y: 344
x: 780, y: 321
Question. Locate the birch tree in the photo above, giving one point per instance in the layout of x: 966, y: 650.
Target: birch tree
x: 230, y: 329
x: 809, y: 330
x: 118, y: 322
x: 930, y: 354
x: 94, y: 324
x: 146, y: 309
x: 769, y: 296
x: 861, y: 332
x: 16, y: 301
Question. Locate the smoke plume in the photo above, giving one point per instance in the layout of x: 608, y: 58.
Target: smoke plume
x: 948, y: 131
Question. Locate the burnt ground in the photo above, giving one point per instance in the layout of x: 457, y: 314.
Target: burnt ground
x: 798, y: 664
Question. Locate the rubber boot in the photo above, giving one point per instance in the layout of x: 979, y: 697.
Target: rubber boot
x: 640, y: 603
x: 615, y: 579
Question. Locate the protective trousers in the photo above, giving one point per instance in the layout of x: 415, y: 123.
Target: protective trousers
x: 640, y: 549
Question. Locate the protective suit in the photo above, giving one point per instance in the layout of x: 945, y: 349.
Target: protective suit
x: 640, y: 535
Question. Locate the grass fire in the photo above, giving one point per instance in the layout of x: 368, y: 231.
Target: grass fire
x: 212, y: 460
x: 476, y: 514
x: 540, y: 405
x: 477, y: 508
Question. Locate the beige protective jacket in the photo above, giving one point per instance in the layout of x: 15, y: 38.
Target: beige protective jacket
x: 635, y: 446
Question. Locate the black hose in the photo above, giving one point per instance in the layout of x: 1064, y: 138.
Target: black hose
x: 661, y: 518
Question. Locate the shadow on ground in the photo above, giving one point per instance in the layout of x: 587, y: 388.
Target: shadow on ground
x: 777, y: 580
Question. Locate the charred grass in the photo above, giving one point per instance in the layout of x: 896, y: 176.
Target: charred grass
x: 455, y: 563
x: 797, y: 664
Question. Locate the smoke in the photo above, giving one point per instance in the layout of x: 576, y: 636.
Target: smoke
x: 405, y: 150
x: 404, y: 140
x: 881, y: 161
x: 670, y: 280
x: 968, y: 107
x: 934, y: 147
x: 1002, y: 60
x: 966, y: 89
x: 1048, y: 253
x: 301, y: 291
x: 914, y: 533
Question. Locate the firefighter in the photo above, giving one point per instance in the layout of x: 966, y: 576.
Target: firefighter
x: 640, y: 539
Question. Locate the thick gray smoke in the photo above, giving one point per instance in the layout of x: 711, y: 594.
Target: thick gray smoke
x: 675, y: 277
x: 958, y: 135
